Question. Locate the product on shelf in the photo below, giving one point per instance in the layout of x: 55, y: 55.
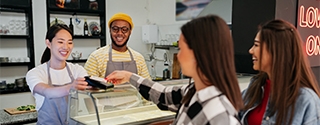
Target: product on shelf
x: 85, y: 28
x: 71, y: 26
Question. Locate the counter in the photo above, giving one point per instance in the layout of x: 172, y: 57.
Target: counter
x: 243, y: 82
x: 6, y: 119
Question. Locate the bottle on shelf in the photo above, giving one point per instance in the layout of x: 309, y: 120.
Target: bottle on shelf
x: 85, y: 28
x: 56, y: 20
x: 71, y: 26
x: 166, y: 74
x: 153, y: 73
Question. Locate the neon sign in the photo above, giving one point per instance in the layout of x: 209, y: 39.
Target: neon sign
x: 310, y: 19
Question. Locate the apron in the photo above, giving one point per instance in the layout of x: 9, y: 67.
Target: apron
x: 130, y: 66
x: 54, y: 110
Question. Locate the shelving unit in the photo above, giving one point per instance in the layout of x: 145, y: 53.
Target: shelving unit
x: 82, y: 10
x: 17, y: 6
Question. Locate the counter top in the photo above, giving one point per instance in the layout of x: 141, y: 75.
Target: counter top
x: 6, y: 118
x: 174, y: 82
x: 243, y: 82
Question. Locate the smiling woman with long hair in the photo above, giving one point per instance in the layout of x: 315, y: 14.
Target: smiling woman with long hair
x: 285, y: 91
x: 51, y: 81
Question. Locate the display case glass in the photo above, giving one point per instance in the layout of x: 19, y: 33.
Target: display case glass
x: 119, y: 105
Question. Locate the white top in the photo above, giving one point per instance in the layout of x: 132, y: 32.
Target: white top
x: 39, y: 74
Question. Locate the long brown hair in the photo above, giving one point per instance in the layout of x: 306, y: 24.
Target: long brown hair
x: 290, y: 70
x: 210, y: 39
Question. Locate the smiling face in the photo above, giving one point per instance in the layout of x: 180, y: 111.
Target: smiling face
x: 186, y: 58
x: 120, y: 32
x: 60, y: 46
x: 262, y: 63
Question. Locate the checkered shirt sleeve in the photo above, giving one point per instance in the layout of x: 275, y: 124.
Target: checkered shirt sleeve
x: 206, y: 109
x: 165, y: 97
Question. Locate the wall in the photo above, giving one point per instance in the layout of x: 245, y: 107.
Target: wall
x: 246, y: 16
x: 222, y: 8
x: 16, y: 100
x: 39, y: 28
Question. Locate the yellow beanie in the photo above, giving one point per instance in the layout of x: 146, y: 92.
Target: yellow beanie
x: 121, y: 16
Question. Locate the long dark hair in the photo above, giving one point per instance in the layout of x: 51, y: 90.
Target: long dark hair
x: 210, y: 39
x: 51, y: 33
x: 290, y: 70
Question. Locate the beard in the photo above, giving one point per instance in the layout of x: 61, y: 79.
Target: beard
x: 117, y: 45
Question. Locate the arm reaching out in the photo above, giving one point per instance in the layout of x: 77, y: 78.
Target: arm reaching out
x: 56, y: 92
x: 119, y: 77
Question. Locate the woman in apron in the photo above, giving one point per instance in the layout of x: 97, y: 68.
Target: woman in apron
x: 51, y: 81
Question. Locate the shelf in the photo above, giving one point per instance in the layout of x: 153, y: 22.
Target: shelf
x: 76, y: 12
x: 75, y: 61
x: 16, y: 4
x: 14, y: 90
x: 165, y: 46
x: 88, y: 37
x: 14, y: 64
x: 14, y: 36
x: 17, y: 10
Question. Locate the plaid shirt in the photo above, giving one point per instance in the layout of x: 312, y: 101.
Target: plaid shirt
x: 207, y: 106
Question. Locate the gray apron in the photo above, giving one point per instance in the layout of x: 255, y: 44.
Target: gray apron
x: 128, y: 66
x: 54, y: 110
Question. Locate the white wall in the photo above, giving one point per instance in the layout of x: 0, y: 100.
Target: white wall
x: 39, y: 28
x: 16, y: 100
x: 222, y: 8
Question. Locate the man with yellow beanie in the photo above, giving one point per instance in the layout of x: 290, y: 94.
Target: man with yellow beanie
x: 117, y: 56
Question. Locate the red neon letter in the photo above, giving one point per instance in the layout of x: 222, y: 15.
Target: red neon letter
x: 310, y: 16
x: 317, y: 18
x: 303, y: 23
x: 313, y: 45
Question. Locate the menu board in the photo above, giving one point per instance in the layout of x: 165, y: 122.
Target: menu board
x: 308, y: 24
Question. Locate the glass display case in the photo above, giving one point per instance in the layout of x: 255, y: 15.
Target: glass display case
x: 119, y: 105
